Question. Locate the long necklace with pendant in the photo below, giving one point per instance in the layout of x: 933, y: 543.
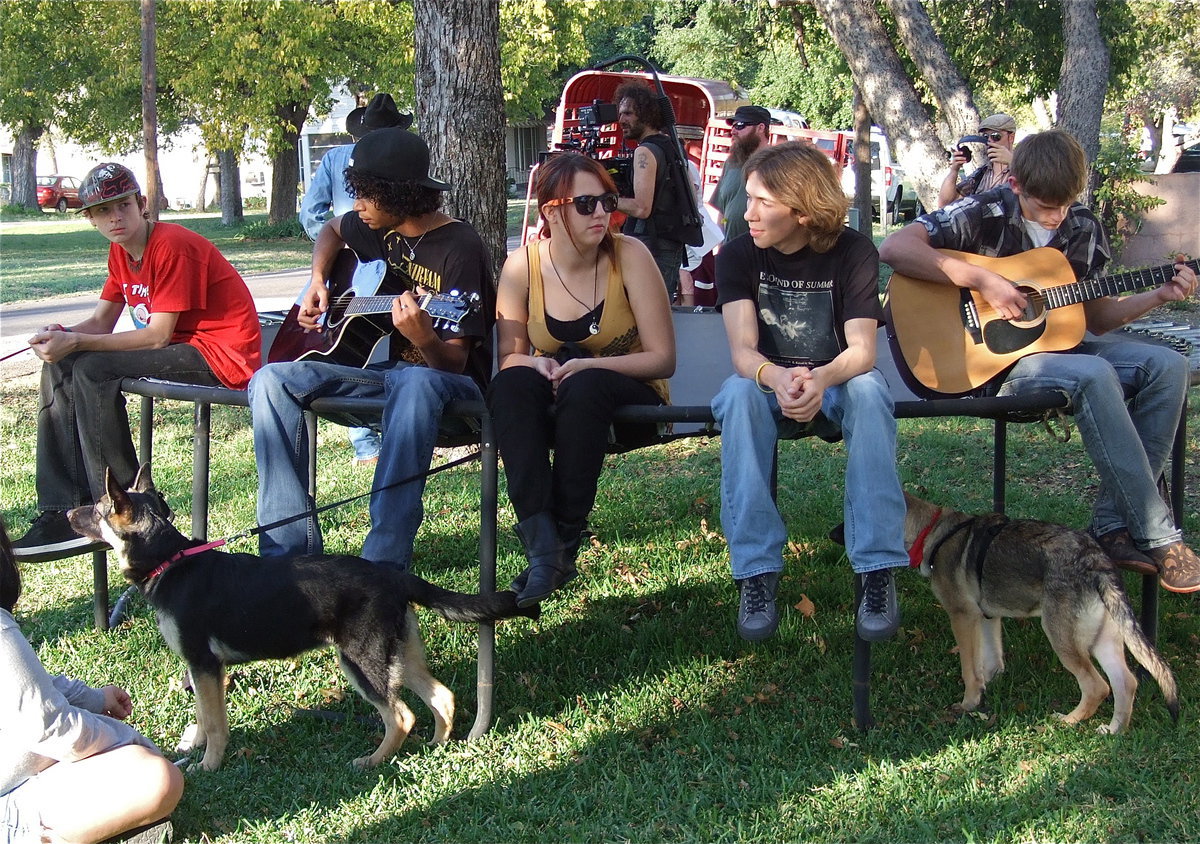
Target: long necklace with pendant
x: 594, y: 328
x: 412, y: 247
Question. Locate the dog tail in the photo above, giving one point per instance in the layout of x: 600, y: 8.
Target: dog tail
x: 1117, y: 603
x: 460, y: 606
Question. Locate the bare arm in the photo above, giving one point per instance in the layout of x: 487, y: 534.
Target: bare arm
x: 645, y: 167
x: 1105, y: 314
x: 948, y: 192
x: 316, y: 296
x: 652, y: 315
x: 94, y: 334
x: 908, y: 251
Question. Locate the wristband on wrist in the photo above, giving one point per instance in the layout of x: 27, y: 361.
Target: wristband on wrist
x: 758, y: 376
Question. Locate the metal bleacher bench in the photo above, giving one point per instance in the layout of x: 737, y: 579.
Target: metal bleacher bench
x: 704, y: 365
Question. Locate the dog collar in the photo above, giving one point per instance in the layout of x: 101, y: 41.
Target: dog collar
x: 179, y: 555
x: 917, y: 553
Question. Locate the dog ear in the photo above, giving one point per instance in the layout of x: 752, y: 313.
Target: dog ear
x: 118, y: 497
x: 143, y: 482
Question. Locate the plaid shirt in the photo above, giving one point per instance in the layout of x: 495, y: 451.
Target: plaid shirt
x: 991, y: 224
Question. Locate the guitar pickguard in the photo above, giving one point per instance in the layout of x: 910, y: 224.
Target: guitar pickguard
x: 1003, y: 338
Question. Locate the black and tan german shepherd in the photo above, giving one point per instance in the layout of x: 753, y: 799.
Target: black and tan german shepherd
x: 987, y: 568
x: 216, y: 609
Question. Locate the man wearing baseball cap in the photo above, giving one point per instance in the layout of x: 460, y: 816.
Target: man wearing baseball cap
x: 327, y: 196
x: 195, y: 322
x: 397, y: 218
x: 748, y: 129
x: 1000, y: 131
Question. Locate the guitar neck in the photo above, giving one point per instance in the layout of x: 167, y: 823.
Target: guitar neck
x: 1112, y: 285
x: 363, y: 305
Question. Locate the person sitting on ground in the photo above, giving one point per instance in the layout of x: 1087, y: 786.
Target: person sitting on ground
x: 195, y: 322
x: 799, y: 295
x: 397, y: 219
x: 572, y: 349
x: 70, y: 770
x: 1126, y: 395
x: 1000, y: 131
x: 327, y: 197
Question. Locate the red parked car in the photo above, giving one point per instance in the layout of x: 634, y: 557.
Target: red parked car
x: 58, y: 192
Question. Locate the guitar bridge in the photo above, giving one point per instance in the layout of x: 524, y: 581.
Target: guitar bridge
x: 969, y: 314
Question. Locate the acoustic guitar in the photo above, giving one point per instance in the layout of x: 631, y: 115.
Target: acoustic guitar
x: 948, y: 341
x: 354, y: 324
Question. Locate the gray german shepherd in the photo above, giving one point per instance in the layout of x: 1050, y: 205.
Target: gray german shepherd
x: 987, y: 568
x: 215, y: 609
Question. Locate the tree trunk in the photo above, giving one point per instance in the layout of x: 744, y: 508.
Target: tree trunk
x: 156, y: 199
x: 888, y: 93
x: 231, y: 188
x: 958, y: 114
x: 24, y: 166
x: 201, y: 195
x: 862, y: 163
x: 460, y: 110
x: 1083, y: 79
x: 285, y: 164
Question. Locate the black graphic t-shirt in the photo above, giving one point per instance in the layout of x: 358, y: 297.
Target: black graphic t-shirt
x: 804, y: 299
x: 450, y: 258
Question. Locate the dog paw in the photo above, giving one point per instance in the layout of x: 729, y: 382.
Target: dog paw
x: 210, y: 764
x: 362, y: 763
x: 192, y: 738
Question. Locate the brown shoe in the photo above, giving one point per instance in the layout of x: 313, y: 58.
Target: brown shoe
x: 1118, y: 545
x: 1180, y: 566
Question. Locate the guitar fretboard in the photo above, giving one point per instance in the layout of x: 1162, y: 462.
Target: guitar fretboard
x: 1111, y: 285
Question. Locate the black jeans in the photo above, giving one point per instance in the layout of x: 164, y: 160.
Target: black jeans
x: 530, y: 420
x: 83, y: 428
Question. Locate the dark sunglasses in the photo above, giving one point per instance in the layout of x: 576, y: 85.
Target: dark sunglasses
x: 740, y: 125
x: 994, y: 137
x: 586, y: 204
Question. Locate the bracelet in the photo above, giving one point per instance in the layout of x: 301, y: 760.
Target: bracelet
x: 758, y: 374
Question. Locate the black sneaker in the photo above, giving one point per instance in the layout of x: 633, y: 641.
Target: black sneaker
x: 757, y: 617
x: 50, y: 535
x: 878, y: 616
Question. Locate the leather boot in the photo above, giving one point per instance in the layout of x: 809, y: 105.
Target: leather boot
x: 548, y: 567
x: 572, y: 537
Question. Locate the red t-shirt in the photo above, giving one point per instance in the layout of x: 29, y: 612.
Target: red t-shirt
x: 182, y: 272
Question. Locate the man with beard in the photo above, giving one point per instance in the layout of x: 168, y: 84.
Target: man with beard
x: 652, y: 218
x: 748, y: 127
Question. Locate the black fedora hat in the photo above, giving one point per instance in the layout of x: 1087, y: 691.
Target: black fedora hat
x: 380, y: 113
x: 395, y: 154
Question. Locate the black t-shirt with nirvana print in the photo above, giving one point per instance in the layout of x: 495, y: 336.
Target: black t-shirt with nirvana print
x: 803, y: 299
x: 449, y: 257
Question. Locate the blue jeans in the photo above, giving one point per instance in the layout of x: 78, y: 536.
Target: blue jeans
x: 412, y: 418
x: 365, y: 441
x: 751, y: 424
x: 1129, y: 444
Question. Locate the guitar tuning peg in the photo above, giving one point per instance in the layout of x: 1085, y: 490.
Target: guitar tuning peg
x: 455, y: 328
x: 455, y: 292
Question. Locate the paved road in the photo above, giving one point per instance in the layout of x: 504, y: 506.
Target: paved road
x: 18, y: 320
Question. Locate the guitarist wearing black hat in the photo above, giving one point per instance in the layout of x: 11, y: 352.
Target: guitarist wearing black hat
x: 440, y: 303
x: 1126, y: 395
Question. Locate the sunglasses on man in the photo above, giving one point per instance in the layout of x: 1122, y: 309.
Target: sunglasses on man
x: 740, y: 125
x: 586, y: 203
x: 994, y: 137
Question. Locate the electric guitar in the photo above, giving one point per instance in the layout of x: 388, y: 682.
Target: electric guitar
x: 354, y: 324
x: 948, y: 341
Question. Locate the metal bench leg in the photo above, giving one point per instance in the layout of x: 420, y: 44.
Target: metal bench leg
x: 999, y: 465
x: 485, y: 678
x: 100, y: 588
x: 861, y: 674
x: 201, y: 440
x: 146, y: 431
x: 1149, y: 616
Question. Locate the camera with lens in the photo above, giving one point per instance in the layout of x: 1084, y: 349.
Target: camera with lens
x: 586, y: 138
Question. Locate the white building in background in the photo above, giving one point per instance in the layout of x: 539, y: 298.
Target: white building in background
x: 184, y: 165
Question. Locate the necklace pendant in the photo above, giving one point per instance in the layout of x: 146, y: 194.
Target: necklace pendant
x: 594, y: 328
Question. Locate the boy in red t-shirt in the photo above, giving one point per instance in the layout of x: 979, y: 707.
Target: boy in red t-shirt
x: 196, y: 322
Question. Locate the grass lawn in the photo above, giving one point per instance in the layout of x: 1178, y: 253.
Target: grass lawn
x: 632, y: 711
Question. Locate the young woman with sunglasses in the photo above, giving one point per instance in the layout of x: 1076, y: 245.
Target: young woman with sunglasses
x: 584, y: 327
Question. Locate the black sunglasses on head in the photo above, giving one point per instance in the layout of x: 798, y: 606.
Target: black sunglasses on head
x: 586, y: 203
